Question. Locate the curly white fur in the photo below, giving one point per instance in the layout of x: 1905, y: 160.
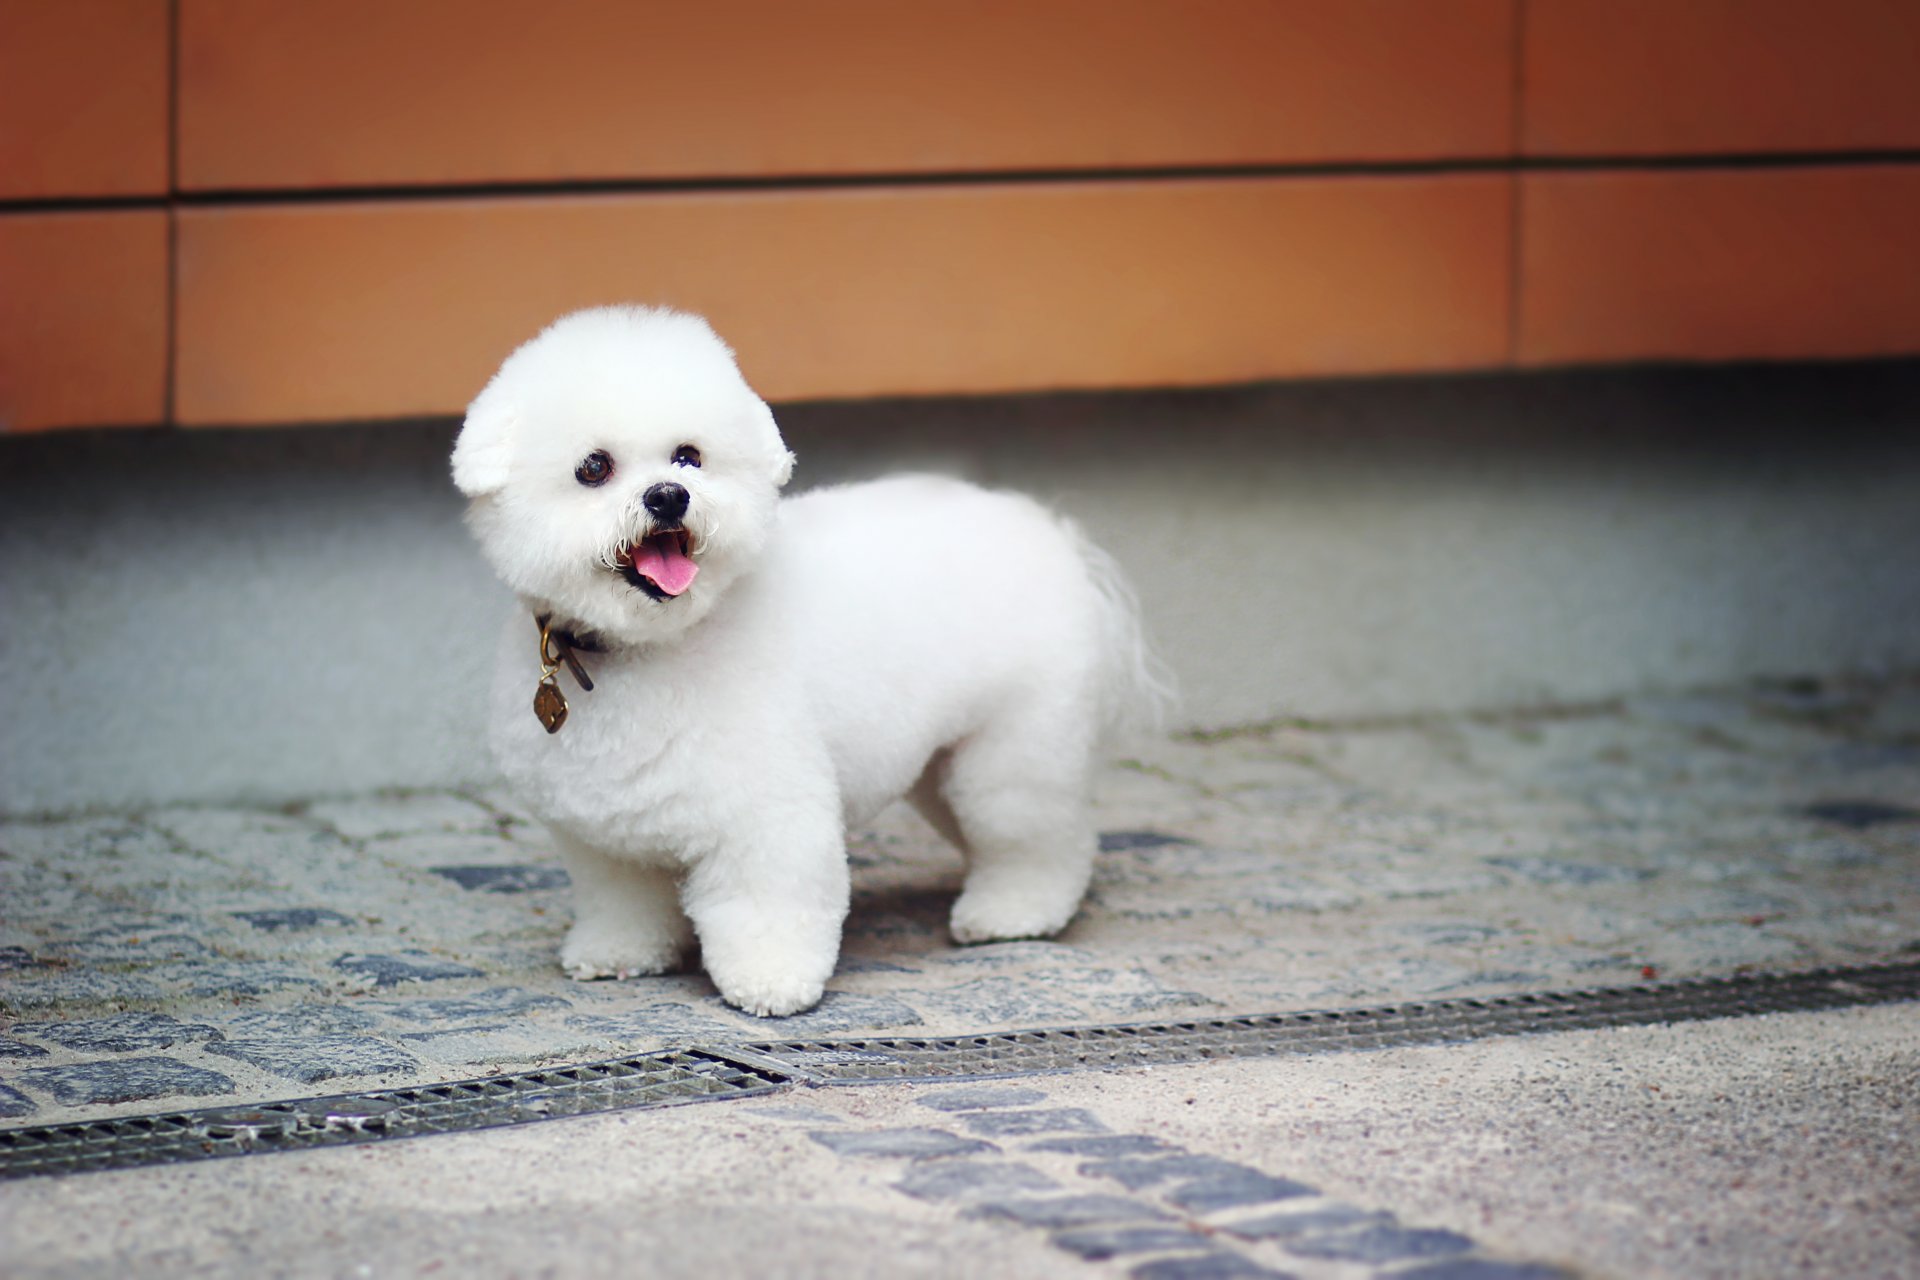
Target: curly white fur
x: 913, y: 637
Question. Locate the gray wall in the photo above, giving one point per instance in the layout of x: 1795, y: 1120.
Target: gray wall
x: 288, y: 612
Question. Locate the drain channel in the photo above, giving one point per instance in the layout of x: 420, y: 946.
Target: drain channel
x: 645, y: 1080
x: 692, y: 1075
x: 1430, y: 1022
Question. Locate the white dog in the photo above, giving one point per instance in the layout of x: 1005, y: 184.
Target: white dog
x: 763, y: 672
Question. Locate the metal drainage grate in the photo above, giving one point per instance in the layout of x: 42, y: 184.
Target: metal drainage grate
x: 1011, y: 1053
x: 693, y: 1075
x: 647, y: 1080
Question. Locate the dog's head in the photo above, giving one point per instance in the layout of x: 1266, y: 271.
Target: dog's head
x: 620, y: 472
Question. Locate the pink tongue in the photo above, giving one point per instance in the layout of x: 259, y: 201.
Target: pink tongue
x: 661, y: 562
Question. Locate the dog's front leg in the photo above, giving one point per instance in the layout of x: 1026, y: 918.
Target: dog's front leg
x: 626, y: 916
x: 768, y: 907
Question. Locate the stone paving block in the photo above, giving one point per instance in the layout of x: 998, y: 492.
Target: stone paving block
x: 249, y: 839
x: 1020, y: 1124
x: 1136, y: 1172
x: 14, y: 1104
x: 311, y: 1059
x: 1249, y: 767
x: 1035, y: 955
x: 20, y: 1049
x: 430, y: 849
x: 1830, y: 852
x: 971, y: 1179
x: 495, y: 1045
x: 1104, y: 1146
x: 883, y: 919
x: 293, y: 919
x: 1858, y: 815
x: 1207, y: 1266
x: 1900, y: 841
x: 1234, y: 1190
x: 503, y: 805
x: 665, y: 1021
x: 120, y: 1033
x: 1298, y: 1222
x: 511, y: 878
x: 1483, y: 1269
x: 1556, y: 871
x: 842, y: 1011
x: 160, y: 941
x: 408, y: 966
x: 300, y: 1020
x: 125, y: 1080
x: 1744, y: 906
x: 490, y: 1004
x: 75, y: 990
x: 225, y: 980
x: 277, y: 862
x: 1068, y: 1211
x: 1379, y: 1244
x: 859, y: 964
x: 911, y: 1144
x: 1448, y: 933
x: 1044, y: 996
x: 368, y: 817
x: 16, y: 958
x: 1096, y: 1244
x: 1004, y: 1000
x: 1282, y: 893
x: 85, y: 841
x: 1373, y: 875
x: 1115, y: 841
x: 1706, y: 948
x: 980, y: 1098
x: 1400, y: 761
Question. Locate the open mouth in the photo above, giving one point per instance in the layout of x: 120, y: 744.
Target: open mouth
x: 660, y: 565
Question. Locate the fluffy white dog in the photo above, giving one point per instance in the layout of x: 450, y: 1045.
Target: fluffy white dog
x: 738, y: 678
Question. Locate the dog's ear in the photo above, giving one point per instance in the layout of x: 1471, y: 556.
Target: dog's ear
x: 482, y: 453
x: 779, y: 454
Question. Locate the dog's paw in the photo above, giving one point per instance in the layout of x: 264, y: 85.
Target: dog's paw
x: 979, y: 917
x: 773, y: 997
x: 593, y: 952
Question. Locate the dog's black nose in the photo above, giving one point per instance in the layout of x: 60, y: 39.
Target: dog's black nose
x: 665, y: 502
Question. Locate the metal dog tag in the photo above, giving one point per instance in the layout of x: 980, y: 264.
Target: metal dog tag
x: 550, y: 704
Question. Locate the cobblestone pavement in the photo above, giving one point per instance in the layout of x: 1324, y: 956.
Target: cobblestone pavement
x: 188, y: 956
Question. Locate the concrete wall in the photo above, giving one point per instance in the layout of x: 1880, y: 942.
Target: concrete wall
x: 275, y: 613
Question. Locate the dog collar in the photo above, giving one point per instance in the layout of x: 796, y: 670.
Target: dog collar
x: 557, y: 648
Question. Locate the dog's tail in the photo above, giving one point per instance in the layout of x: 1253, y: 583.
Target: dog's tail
x: 1136, y: 689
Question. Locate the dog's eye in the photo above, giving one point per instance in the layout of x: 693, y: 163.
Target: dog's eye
x: 686, y: 456
x: 595, y: 469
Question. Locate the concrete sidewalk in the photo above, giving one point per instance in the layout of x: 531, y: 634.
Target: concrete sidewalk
x: 192, y: 956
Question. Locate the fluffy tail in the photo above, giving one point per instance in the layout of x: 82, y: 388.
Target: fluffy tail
x: 1136, y: 689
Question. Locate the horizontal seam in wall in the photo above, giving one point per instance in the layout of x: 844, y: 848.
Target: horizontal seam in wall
x: 1047, y: 177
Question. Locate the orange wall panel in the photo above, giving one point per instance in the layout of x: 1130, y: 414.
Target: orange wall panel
x: 1690, y: 77
x: 83, y: 319
x: 83, y: 98
x: 1720, y: 265
x: 371, y: 93
x: 396, y: 308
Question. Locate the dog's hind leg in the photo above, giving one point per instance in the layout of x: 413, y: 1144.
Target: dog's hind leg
x: 627, y: 918
x: 929, y: 800
x: 1018, y: 791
